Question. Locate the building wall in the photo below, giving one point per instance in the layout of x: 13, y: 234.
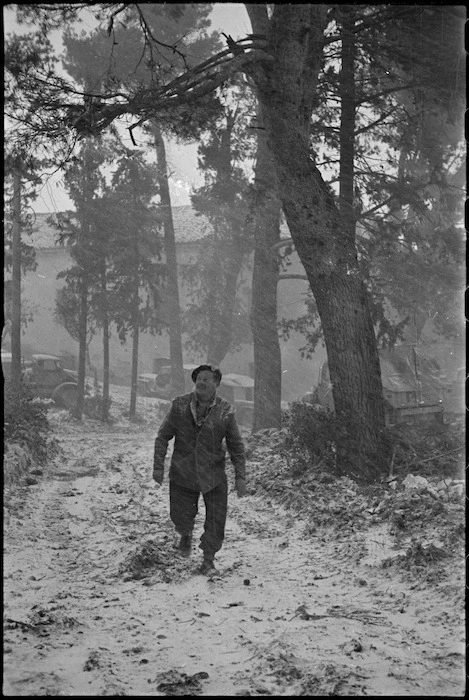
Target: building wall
x: 45, y: 334
x: 38, y: 294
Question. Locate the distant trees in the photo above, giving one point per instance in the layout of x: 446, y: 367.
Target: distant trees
x: 21, y: 165
x: 134, y: 253
x: 115, y: 246
x: 184, y: 26
x: 15, y: 287
x: 19, y: 256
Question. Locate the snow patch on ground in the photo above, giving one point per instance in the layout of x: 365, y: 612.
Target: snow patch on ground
x: 322, y: 588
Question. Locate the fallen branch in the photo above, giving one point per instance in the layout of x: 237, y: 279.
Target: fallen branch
x: 430, y: 459
x: 320, y: 577
x: 20, y: 623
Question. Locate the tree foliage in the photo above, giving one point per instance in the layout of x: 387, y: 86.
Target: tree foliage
x: 135, y: 245
x: 124, y: 232
x: 132, y: 54
x: 215, y: 320
x: 408, y: 157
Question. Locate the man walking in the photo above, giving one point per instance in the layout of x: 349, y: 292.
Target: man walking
x: 200, y: 422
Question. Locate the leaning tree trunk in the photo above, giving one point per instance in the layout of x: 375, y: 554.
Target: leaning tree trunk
x: 286, y: 87
x: 266, y: 208
x: 347, y: 117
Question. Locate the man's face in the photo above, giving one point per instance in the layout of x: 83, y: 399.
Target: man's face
x: 205, y: 385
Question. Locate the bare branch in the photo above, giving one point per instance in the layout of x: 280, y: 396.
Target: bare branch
x: 110, y: 26
x: 148, y: 33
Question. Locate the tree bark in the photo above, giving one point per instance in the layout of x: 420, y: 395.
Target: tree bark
x: 221, y: 312
x: 82, y: 329
x: 347, y: 117
x: 106, y: 336
x: 135, y: 341
x: 82, y: 343
x: 83, y: 215
x: 175, y: 329
x: 16, y: 286
x: 286, y: 88
x: 228, y: 256
x: 266, y: 209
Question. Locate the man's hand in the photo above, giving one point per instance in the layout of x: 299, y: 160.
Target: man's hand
x: 240, y: 486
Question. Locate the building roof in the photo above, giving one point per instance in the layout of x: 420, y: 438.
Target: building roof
x: 189, y: 227
x: 232, y: 379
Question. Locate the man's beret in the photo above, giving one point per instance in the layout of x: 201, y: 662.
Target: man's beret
x: 210, y: 368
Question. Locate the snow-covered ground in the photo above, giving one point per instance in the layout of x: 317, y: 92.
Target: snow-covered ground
x: 97, y: 601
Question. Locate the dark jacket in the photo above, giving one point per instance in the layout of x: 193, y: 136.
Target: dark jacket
x: 198, y: 460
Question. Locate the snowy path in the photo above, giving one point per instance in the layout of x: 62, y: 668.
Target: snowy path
x: 289, y: 614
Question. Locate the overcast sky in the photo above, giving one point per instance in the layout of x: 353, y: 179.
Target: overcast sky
x: 230, y: 18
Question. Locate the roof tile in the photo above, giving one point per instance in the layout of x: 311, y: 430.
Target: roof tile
x: 188, y: 226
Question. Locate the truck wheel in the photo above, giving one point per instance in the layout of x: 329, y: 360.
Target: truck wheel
x: 65, y: 395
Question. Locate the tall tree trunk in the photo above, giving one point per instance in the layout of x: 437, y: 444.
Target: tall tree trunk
x: 228, y: 255
x: 16, y: 286
x: 266, y: 209
x: 82, y: 344
x: 84, y: 219
x: 286, y: 89
x: 221, y: 314
x: 175, y: 330
x: 106, y: 335
x: 135, y: 322
x: 134, y: 369
x: 347, y: 117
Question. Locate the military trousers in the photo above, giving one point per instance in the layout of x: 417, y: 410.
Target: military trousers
x: 184, y: 506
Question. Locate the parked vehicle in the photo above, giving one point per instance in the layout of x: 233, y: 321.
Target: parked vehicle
x: 238, y: 389
x: 412, y: 386
x: 159, y: 384
x: 6, y: 365
x: 50, y: 380
x: 146, y: 385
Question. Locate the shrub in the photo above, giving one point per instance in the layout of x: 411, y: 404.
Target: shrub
x: 93, y: 406
x: 25, y: 422
x: 429, y: 449
x: 311, y: 435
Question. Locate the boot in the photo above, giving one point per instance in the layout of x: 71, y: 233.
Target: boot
x: 185, y: 545
x: 208, y: 567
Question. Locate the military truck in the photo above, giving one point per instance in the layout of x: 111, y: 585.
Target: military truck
x: 49, y: 380
x: 412, y: 386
